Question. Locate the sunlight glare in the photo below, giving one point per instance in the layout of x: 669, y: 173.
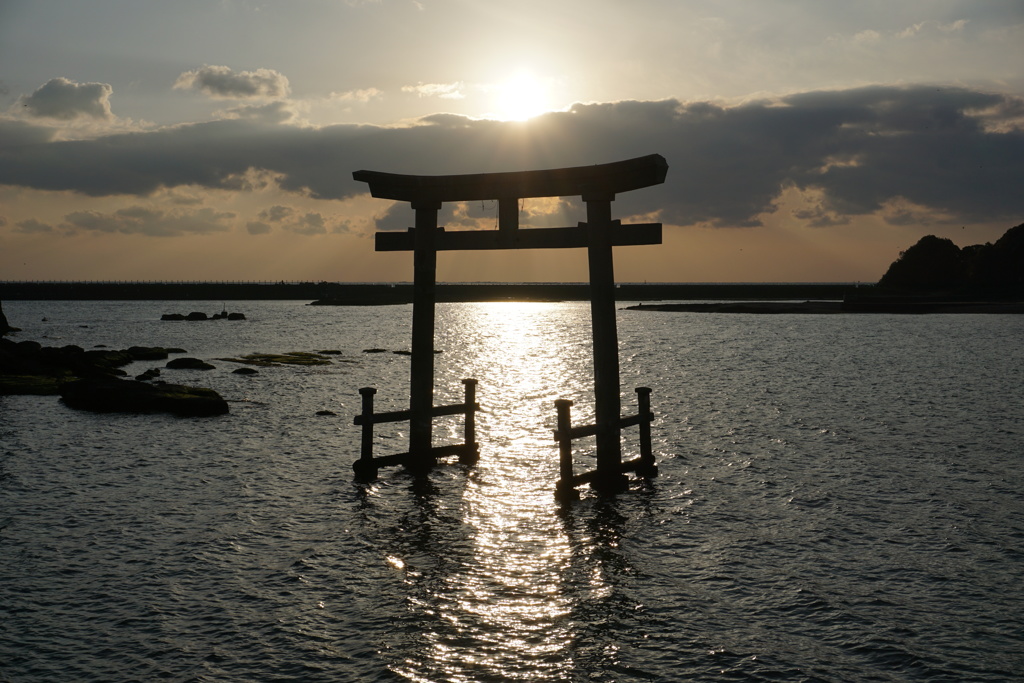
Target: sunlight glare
x: 522, y: 97
x: 505, y: 611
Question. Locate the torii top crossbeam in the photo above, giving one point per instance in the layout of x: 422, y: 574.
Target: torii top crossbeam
x: 598, y: 182
x: 613, y: 178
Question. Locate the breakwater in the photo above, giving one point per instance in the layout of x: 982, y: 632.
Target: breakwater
x: 375, y: 294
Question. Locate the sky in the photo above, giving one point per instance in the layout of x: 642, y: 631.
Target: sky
x: 807, y: 141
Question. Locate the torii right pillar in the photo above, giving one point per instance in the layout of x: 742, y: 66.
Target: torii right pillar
x: 607, y: 403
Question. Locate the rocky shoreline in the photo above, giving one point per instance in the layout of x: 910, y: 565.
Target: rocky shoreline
x: 93, y: 380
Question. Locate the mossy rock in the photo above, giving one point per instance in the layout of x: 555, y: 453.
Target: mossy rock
x: 147, y: 352
x: 188, y: 364
x: 109, y: 395
x: 37, y: 385
x: 277, y: 359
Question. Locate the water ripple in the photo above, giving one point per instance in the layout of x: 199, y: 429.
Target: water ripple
x: 840, y: 499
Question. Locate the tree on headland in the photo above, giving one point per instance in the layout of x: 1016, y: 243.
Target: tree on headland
x: 932, y: 263
x: 1002, y: 264
x: 937, y: 264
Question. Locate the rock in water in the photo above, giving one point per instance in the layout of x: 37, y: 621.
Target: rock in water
x: 188, y: 364
x: 146, y: 352
x: 152, y: 373
x: 110, y: 395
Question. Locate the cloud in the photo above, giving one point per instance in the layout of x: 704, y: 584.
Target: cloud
x: 310, y: 224
x: 223, y: 82
x: 15, y: 133
x: 61, y: 98
x: 139, y: 220
x: 32, y: 226
x: 363, y: 95
x: 289, y: 218
x: 272, y: 112
x: 952, y: 151
x: 924, y: 26
x: 445, y: 91
x: 276, y: 213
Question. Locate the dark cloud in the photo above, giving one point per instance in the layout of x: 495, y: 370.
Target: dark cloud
x: 64, y: 99
x: 222, y: 81
x: 138, y: 220
x: 273, y: 112
x: 288, y: 218
x: 955, y: 151
x: 311, y: 223
x: 276, y: 213
x: 15, y: 133
x: 33, y: 226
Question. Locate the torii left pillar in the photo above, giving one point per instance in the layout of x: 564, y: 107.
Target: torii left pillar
x: 421, y: 384
x: 607, y: 402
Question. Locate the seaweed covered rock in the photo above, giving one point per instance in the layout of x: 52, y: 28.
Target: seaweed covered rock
x: 188, y: 364
x: 111, y: 395
x: 147, y: 352
x: 28, y: 367
x: 200, y: 315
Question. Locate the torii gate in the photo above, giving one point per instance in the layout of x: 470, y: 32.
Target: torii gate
x: 597, y: 185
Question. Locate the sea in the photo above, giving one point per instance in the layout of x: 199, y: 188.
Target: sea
x: 840, y: 498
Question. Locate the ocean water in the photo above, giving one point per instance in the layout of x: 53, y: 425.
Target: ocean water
x: 840, y: 498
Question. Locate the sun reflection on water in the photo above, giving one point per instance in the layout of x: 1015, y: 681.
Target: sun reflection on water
x: 501, y: 609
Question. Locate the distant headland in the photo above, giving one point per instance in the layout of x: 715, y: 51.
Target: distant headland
x: 933, y: 276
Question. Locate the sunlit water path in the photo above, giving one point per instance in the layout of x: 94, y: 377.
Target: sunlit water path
x: 840, y: 499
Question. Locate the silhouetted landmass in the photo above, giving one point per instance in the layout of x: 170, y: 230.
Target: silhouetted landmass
x: 936, y: 264
x: 933, y: 276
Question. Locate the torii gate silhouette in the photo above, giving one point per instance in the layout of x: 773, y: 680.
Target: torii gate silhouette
x: 597, y: 185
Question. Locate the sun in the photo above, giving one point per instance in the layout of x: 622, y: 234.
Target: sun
x: 521, y: 97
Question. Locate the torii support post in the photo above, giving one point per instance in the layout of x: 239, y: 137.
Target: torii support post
x: 365, y: 467
x: 565, y: 433
x: 472, y: 454
x: 565, y: 489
